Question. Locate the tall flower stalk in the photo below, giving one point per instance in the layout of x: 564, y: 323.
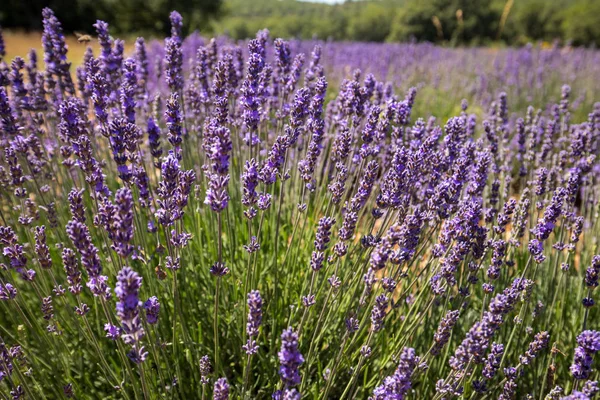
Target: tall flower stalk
x: 205, y: 218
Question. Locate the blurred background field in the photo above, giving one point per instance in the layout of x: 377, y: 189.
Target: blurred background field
x: 530, y: 75
x: 447, y: 22
x: 450, y: 50
x: 18, y: 43
x: 486, y: 35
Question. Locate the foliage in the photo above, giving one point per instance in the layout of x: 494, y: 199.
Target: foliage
x: 581, y: 23
x: 458, y: 22
x: 130, y: 16
x: 461, y: 21
x: 303, y: 219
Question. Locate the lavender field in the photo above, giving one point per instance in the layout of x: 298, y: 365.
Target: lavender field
x: 211, y: 219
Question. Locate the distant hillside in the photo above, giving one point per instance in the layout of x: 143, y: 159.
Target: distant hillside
x: 448, y: 21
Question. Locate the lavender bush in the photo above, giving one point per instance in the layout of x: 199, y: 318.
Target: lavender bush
x: 206, y: 219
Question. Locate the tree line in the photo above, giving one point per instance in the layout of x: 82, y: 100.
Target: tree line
x: 464, y: 22
x: 136, y: 17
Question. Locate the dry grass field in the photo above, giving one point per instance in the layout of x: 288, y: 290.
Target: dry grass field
x: 19, y: 44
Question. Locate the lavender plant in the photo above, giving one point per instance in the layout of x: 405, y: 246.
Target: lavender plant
x: 210, y: 219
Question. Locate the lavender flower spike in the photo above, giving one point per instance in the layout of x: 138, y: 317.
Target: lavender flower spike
x: 221, y: 389
x: 128, y: 305
x: 290, y: 358
x: 152, y: 307
x: 255, y: 304
x: 399, y: 384
x: 588, y: 345
x: 444, y: 330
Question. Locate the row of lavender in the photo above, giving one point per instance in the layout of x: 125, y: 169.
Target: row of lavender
x: 528, y: 75
x: 210, y: 220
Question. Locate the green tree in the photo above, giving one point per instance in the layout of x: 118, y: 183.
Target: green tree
x: 130, y: 16
x: 581, y: 24
x: 456, y: 20
x: 535, y: 20
x: 370, y: 23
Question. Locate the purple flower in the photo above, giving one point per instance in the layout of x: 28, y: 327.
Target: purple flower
x: 581, y: 367
x: 255, y: 304
x: 378, y: 312
x: 577, y: 229
x: 316, y: 125
x: 205, y: 369
x: 141, y: 60
x: 174, y: 64
x: 396, y: 386
x: 365, y: 186
x: 76, y: 205
x: 546, y: 224
x: 492, y: 361
x: 123, y: 222
x: 123, y: 140
x: 591, y: 388
x: 221, y: 389
x: 137, y: 354
x: 219, y: 269
x: 536, y: 248
x: 539, y: 343
x: 112, y: 332
x: 41, y: 248
x: 55, y: 52
x: 264, y: 201
x: 82, y: 310
x: 218, y: 145
x: 575, y: 395
x: 7, y: 292
x: 173, y: 191
x: 323, y: 235
x: 8, y: 122
x: 128, y: 305
x: 250, y: 99
x: 129, y: 89
x: 442, y: 335
x: 80, y: 236
x: 96, y: 81
x: 589, y: 340
x: 68, y: 391
x: 174, y: 123
x: 505, y: 215
x: 352, y: 324
x: 592, y: 273
x: 253, y: 246
x: 477, y: 341
x: 249, y: 182
x: 47, y: 308
x: 152, y: 307
x: 172, y: 264
x: 541, y: 181
x: 290, y: 358
x: 104, y: 39
x: 12, y: 249
x: 510, y: 385
x: 176, y: 25
x: 73, y: 129
x: 154, y: 138
x: 17, y: 393
x: 216, y: 193
x: 275, y: 160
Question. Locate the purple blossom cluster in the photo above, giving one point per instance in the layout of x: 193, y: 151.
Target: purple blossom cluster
x: 588, y: 343
x: 444, y: 243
